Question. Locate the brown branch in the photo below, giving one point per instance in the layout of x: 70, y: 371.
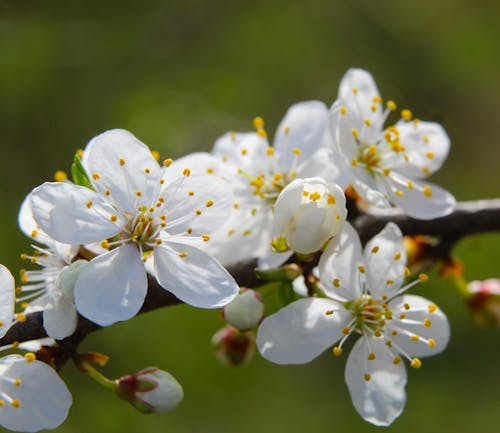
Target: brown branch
x: 468, y: 218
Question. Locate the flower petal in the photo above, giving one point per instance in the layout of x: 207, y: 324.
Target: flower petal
x: 377, y: 386
x: 301, y: 331
x: 200, y: 203
x: 423, y: 319
x: 27, y: 223
x: 418, y: 200
x: 123, y: 169
x: 112, y: 286
x: 338, y: 266
x: 304, y: 127
x: 385, y: 258
x: 72, y: 214
x: 43, y: 396
x: 7, y: 299
x: 192, y: 275
x: 60, y: 318
x: 197, y: 163
x: 426, y: 146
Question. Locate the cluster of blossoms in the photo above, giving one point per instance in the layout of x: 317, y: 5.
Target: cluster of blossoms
x: 126, y: 218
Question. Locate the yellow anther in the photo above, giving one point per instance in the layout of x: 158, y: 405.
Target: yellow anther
x: 367, y: 377
x: 105, y: 244
x: 391, y: 105
x: 355, y: 133
x: 244, y: 152
x: 331, y: 199
x: 163, y: 224
x: 107, y: 192
x: 89, y: 204
x: 247, y: 232
x: 113, y: 218
x: 431, y: 342
x: 371, y: 356
x: 162, y: 181
x: 372, y: 150
x: 30, y: 357
x: 183, y: 254
x: 423, y: 278
x: 15, y: 344
x: 386, y: 172
x: 361, y: 269
x: 402, y: 316
x: 236, y: 205
x: 269, y: 151
x: 385, y: 297
x: 329, y: 312
x: 377, y: 99
x: 21, y: 317
x: 427, y: 191
x: 374, y: 109
x: 189, y: 230
x: 416, y: 363
x: 232, y: 135
x: 315, y: 196
x: 354, y: 162
x: 210, y: 170
x: 186, y: 172
x: 397, y: 256
x: 17, y: 382
x: 416, y: 122
x: 147, y: 170
x: 399, y: 193
x: 337, y: 217
x: 378, y: 333
x: 96, y: 176
x: 163, y: 217
x: 343, y: 111
x: 375, y: 249
x: 33, y: 233
x: 16, y: 404
x: 406, y: 306
x: 138, y: 193
x: 425, y: 138
x: 230, y: 232
x: 191, y: 193
x: 432, y: 308
x: 355, y: 90
x: 258, y: 122
x: 277, y: 177
x: 122, y: 162
x: 1, y: 402
x: 346, y: 330
x: 406, y: 156
x: 286, y: 130
x: 407, y: 272
x: 410, y: 184
x: 414, y: 338
x: 388, y: 343
x: 209, y: 203
x: 337, y: 351
x: 430, y: 155
x: 296, y: 151
x: 168, y: 162
x: 426, y: 170
x: 156, y: 155
x: 389, y: 281
x: 396, y: 360
x: 198, y: 212
x: 336, y: 282
x: 262, y: 133
x: 60, y: 176
x: 24, y: 256
x: 406, y: 114
x: 205, y: 238
x: 427, y: 323
x: 79, y: 153
x: 367, y: 121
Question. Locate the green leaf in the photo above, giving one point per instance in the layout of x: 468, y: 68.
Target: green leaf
x: 80, y: 176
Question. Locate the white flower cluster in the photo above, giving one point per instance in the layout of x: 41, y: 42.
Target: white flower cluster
x: 126, y: 216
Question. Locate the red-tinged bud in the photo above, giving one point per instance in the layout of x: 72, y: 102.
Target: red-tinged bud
x: 150, y: 390
x: 245, y: 311
x: 451, y: 268
x: 419, y: 250
x: 484, y: 302
x: 233, y: 347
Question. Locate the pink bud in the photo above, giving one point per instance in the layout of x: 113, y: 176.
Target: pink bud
x: 232, y: 346
x: 150, y: 390
x: 484, y: 302
x: 245, y: 311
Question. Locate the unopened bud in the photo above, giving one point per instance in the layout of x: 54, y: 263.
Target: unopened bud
x: 419, y: 250
x: 484, y: 302
x: 150, y: 390
x: 308, y: 212
x: 233, y: 347
x: 245, y: 311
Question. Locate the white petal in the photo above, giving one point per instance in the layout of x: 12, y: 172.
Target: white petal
x: 60, y: 318
x: 366, y: 186
x: 72, y: 214
x: 197, y: 163
x: 201, y: 203
x: 117, y: 161
x: 418, y: 312
x: 341, y: 126
x: 27, y: 223
x: 7, y: 299
x: 357, y: 91
x: 381, y: 399
x: 340, y: 262
x: 112, y: 287
x: 385, y: 258
x: 192, y: 275
x: 301, y: 331
x: 43, y: 396
x: 426, y: 145
x: 419, y: 200
x: 304, y: 127
x: 268, y: 259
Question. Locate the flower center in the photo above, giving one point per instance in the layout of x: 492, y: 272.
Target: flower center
x: 268, y: 186
x: 369, y: 314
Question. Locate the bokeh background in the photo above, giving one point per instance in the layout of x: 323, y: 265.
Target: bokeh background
x: 180, y: 73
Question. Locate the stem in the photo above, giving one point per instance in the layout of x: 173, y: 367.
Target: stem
x: 87, y: 368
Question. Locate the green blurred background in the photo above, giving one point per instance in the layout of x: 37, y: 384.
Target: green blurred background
x: 180, y: 73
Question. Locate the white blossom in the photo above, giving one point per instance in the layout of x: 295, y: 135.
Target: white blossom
x: 364, y: 296
x: 386, y: 164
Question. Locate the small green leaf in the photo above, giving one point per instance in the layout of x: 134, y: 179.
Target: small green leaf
x: 80, y: 176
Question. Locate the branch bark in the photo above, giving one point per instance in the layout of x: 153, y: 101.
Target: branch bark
x: 468, y: 218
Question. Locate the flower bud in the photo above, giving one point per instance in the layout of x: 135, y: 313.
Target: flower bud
x: 420, y: 252
x: 484, y: 302
x: 245, y: 311
x: 308, y: 212
x: 150, y: 390
x: 233, y: 347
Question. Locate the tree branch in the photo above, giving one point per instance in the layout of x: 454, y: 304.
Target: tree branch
x: 467, y: 219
